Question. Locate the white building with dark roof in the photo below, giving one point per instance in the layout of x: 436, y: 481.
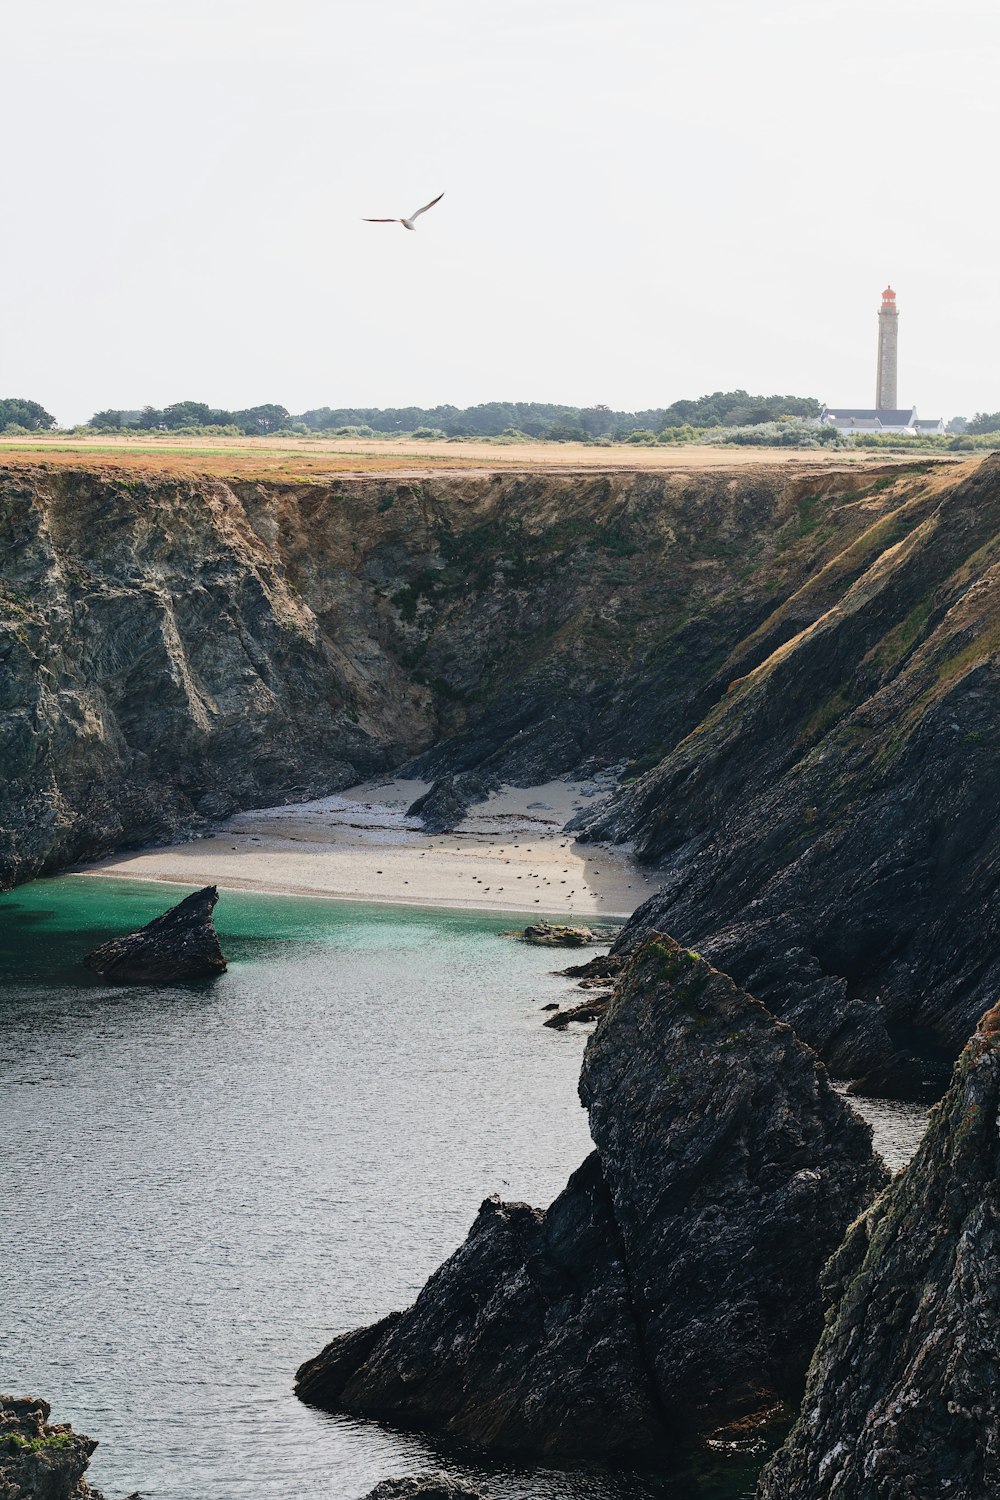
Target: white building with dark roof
x: 885, y: 417
x: 901, y: 420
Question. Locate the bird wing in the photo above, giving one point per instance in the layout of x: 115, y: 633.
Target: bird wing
x: 427, y: 206
x: 380, y: 221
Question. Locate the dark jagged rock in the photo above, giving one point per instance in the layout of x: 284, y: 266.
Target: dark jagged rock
x: 584, y: 1010
x: 523, y: 1341
x: 39, y: 1460
x: 449, y: 799
x: 903, y: 1399
x: 436, y: 1486
x: 179, y: 945
x: 675, y: 1278
x: 604, y: 969
x: 734, y: 1168
x: 598, y: 978
x: 829, y: 834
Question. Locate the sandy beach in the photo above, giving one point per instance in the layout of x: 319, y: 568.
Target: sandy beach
x: 510, y: 854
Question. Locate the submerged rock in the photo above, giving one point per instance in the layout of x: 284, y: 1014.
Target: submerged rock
x: 902, y: 1401
x: 674, y: 1280
x: 39, y: 1460
x: 181, y: 944
x: 435, y: 1486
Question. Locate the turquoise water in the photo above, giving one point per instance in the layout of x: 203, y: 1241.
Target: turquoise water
x: 202, y: 1184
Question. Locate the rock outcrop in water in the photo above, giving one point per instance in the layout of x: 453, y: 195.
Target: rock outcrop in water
x: 674, y: 1282
x: 733, y: 1167
x: 556, y: 935
x: 39, y: 1460
x: 436, y: 1486
x: 903, y: 1400
x: 829, y: 834
x: 181, y: 944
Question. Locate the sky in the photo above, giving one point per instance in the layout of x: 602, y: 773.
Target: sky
x: 644, y: 200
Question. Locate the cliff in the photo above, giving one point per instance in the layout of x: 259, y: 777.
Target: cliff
x: 172, y: 648
x: 902, y: 1399
x: 795, y: 667
x: 673, y: 1284
x: 829, y: 832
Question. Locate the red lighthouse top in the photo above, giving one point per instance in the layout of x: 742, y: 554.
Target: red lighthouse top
x: 888, y: 296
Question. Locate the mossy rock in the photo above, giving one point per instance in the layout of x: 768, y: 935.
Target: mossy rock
x: 556, y: 935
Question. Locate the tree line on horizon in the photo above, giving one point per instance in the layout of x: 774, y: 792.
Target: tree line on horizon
x: 532, y: 419
x: 538, y: 420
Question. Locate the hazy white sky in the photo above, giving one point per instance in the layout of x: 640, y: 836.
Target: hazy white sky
x: 645, y: 199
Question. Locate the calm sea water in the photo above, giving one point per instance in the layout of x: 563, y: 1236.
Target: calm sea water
x: 203, y: 1184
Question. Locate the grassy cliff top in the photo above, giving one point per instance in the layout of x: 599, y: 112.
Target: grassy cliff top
x: 306, y: 459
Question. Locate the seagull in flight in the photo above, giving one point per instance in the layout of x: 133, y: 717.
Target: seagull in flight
x: 408, y: 223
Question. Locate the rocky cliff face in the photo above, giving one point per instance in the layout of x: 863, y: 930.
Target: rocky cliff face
x: 171, y: 648
x: 902, y: 1396
x: 673, y: 1284
x: 829, y: 832
x: 799, y: 666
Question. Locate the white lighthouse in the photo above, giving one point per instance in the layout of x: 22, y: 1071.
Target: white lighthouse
x: 888, y: 350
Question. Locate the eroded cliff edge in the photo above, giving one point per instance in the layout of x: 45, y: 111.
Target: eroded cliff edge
x: 174, y: 648
x: 829, y: 833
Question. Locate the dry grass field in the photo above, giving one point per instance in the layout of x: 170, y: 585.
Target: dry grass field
x: 305, y: 459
